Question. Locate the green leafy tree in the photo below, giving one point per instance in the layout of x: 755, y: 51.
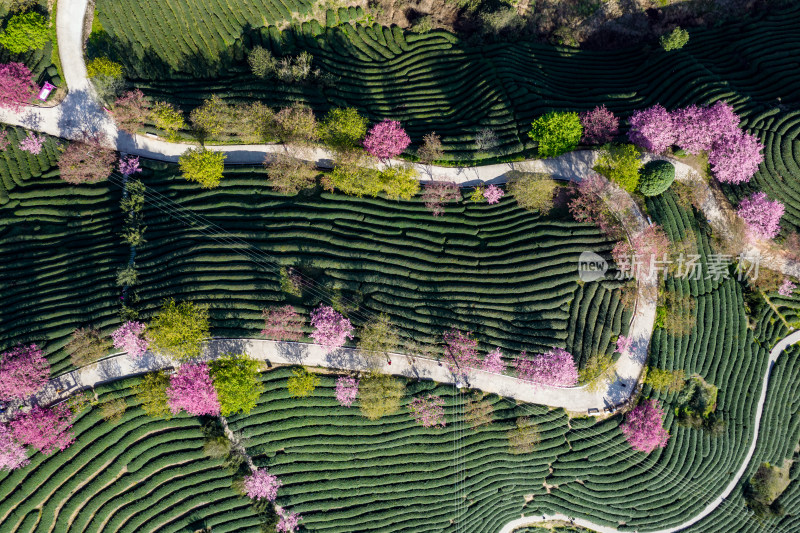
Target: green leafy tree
x: 86, y: 346
x: 113, y: 410
x: 399, y: 182
x: 262, y: 62
x: 297, y: 124
x: 656, y: 177
x: 151, y: 391
x: 665, y: 380
x: 236, y: 380
x: 620, y: 163
x: 380, y: 395
x: 533, y: 191
x: 168, y: 118
x: 343, y: 128
x: 556, y: 133
x: 674, y: 40
x: 210, y: 118
x: 377, y: 337
x: 203, y: 166
x: 179, y: 329
x: 289, y: 175
x: 25, y: 31
x: 102, y: 66
x: 302, y: 383
x: 523, y: 438
x: 598, y: 372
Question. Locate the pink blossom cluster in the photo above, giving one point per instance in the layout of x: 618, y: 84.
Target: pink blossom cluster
x: 288, y: 522
x: 493, y: 193
x: 12, y: 453
x: 761, y: 215
x: 624, y: 344
x: 386, y: 139
x: 346, y: 390
x: 644, y: 249
x: 32, y: 143
x: 428, y: 411
x: 4, y: 142
x: 129, y: 337
x: 191, y: 389
x: 23, y: 371
x: 643, y: 427
x: 600, y: 125
x: 461, y: 353
x: 129, y: 165
x: 283, y: 324
x: 493, y: 362
x: 556, y: 367
x: 787, y: 287
x: 331, y: 329
x: 261, y: 485
x: 734, y: 155
x: 16, y: 86
x: 45, y: 429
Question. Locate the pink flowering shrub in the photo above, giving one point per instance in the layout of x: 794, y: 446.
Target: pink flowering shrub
x: 587, y: 205
x: 261, y: 485
x: 129, y: 165
x: 761, y: 215
x: 493, y: 362
x: 331, y: 329
x: 652, y: 129
x: 556, y: 367
x: 721, y: 120
x: 129, y: 337
x: 600, y: 125
x: 428, y: 411
x: 282, y: 323
x: 346, y: 390
x: 32, y: 143
x: 493, y: 193
x: 4, y: 142
x: 624, y: 344
x: 12, y: 453
x: 461, y: 353
x: 288, y: 522
x: 23, y: 371
x: 436, y: 193
x: 16, y: 86
x: 191, y: 389
x: 386, y: 139
x: 787, y: 287
x: 735, y: 157
x: 45, y: 429
x: 643, y: 250
x: 643, y: 427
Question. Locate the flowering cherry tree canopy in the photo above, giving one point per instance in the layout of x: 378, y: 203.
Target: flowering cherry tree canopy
x: 600, y: 125
x: 493, y: 362
x: 386, y: 139
x: 556, y: 367
x: 624, y: 344
x: 282, y: 323
x: 32, y: 143
x: 643, y: 427
x: 288, y: 522
x: 129, y: 165
x: 493, y: 193
x: 16, y: 86
x: 45, y: 429
x: 331, y: 329
x: 23, y: 371
x: 652, y: 129
x: 428, y: 410
x: 261, y: 485
x: 735, y: 157
x: 12, y: 453
x: 129, y: 337
x: 461, y: 353
x: 191, y: 389
x: 346, y: 390
x: 761, y: 215
x: 787, y: 287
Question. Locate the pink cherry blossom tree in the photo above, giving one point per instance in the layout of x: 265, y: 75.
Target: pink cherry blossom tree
x: 735, y: 157
x: 461, y: 353
x: 624, y: 344
x: 32, y: 143
x: 191, y: 389
x: 346, y: 390
x: 787, y: 287
x: 386, y: 139
x: 652, y: 129
x: 556, y: 367
x: 493, y: 193
x: 428, y: 410
x: 639, y: 255
x: 282, y: 323
x: 288, y: 522
x: 12, y: 453
x: 691, y: 131
x: 16, y: 86
x: 600, y: 125
x: 587, y: 205
x: 721, y: 120
x: 130, y: 338
x: 4, y: 142
x: 45, y: 429
x: 331, y: 329
x: 23, y: 371
x: 261, y: 485
x: 436, y: 193
x: 493, y: 362
x: 643, y: 427
x: 761, y: 215
x: 129, y: 165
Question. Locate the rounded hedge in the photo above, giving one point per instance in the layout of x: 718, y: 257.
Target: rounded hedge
x: 656, y: 177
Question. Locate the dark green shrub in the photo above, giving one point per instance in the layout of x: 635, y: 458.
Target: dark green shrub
x: 656, y: 177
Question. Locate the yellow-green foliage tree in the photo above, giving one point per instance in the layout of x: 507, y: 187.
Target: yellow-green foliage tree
x: 179, y: 329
